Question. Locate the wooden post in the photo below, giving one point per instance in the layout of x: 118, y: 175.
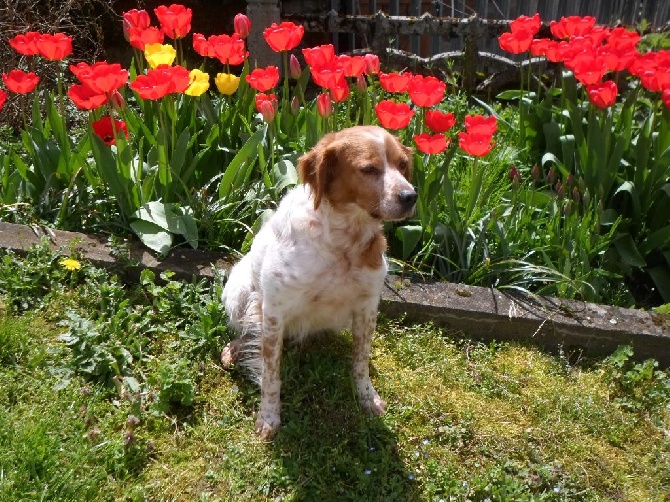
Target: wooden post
x: 262, y: 13
x: 470, y: 54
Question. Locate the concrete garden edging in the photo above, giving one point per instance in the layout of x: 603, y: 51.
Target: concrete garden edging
x: 482, y: 313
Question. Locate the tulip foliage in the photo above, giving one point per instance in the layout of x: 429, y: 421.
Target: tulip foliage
x: 607, y: 136
x: 185, y: 151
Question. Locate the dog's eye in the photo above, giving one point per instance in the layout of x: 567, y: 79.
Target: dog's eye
x: 370, y: 169
x: 402, y: 165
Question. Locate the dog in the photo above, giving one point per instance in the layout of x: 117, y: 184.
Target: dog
x: 318, y: 263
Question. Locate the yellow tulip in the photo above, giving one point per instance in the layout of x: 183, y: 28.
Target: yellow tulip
x: 158, y: 54
x: 226, y: 83
x: 199, y: 83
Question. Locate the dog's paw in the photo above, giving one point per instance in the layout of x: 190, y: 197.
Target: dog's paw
x: 266, y: 428
x: 373, y: 404
x: 229, y: 355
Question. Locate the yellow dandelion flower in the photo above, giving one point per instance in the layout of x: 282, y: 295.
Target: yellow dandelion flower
x: 199, y: 83
x: 226, y: 83
x: 158, y: 54
x: 70, y: 264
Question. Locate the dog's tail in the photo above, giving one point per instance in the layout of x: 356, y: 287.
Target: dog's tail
x: 244, y: 309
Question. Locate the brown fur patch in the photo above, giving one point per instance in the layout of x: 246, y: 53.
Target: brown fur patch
x: 371, y: 256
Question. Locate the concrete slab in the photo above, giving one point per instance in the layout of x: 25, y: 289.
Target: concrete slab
x: 482, y: 313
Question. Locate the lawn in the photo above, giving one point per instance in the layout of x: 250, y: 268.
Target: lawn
x: 465, y: 420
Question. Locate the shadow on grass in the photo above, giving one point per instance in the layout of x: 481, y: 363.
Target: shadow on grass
x: 328, y: 448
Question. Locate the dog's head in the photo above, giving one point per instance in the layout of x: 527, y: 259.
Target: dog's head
x: 363, y: 165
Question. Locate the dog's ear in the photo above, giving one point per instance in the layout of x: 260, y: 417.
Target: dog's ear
x: 410, y: 157
x: 316, y: 167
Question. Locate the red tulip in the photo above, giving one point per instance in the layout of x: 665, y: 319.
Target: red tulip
x: 622, y: 38
x: 267, y: 105
x: 103, y: 78
x: 597, y: 35
x: 353, y: 65
x: 340, y: 92
x: 3, y: 98
x: 602, y: 95
x: 395, y: 82
x: 135, y: 19
x: 20, y: 82
x: 617, y: 58
x: 426, y: 91
x: 554, y: 50
x: 665, y: 97
x: 108, y: 129
x: 371, y: 64
x: 588, y: 69
x: 140, y: 38
x: 476, y: 144
x: 284, y: 36
x: 263, y: 79
x: 531, y: 24
x: 175, y: 20
x: 320, y: 55
x: 329, y: 74
x: 572, y: 26
x: 431, y: 144
x: 393, y: 115
x: 538, y: 47
x: 25, y: 43
x: 439, y: 121
x: 242, y: 25
x: 478, y: 124
x: 85, y: 98
x: 324, y: 105
x: 202, y: 46
x: 230, y: 50
x: 516, y: 42
x: 161, y: 81
x: 54, y: 47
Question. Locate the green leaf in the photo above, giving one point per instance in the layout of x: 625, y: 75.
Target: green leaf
x: 171, y: 218
x: 152, y: 236
x: 628, y: 251
x: 179, y: 155
x: 410, y: 236
x: 285, y: 174
x: 243, y: 161
x: 661, y: 277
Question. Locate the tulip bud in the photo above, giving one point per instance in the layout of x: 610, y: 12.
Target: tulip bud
x: 551, y: 176
x: 567, y: 209
x: 371, y: 64
x: 294, y: 67
x: 570, y: 180
x: 242, y: 25
x: 324, y: 105
x: 117, y: 101
x: 576, y: 196
x: 535, y: 173
x: 361, y: 84
x: 515, y: 177
x: 560, y: 190
x: 295, y: 105
x: 586, y: 197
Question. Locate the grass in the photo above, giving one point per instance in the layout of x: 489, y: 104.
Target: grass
x: 465, y: 421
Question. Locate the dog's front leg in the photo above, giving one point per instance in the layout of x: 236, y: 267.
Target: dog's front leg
x: 363, y: 326
x: 271, y: 350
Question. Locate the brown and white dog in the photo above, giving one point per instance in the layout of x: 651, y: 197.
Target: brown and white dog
x: 318, y: 263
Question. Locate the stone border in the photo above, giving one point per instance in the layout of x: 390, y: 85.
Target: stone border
x: 483, y: 313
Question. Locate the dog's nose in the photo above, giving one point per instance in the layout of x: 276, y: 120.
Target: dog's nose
x: 407, y: 198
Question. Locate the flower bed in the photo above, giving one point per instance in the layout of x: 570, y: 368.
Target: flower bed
x: 558, y: 188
